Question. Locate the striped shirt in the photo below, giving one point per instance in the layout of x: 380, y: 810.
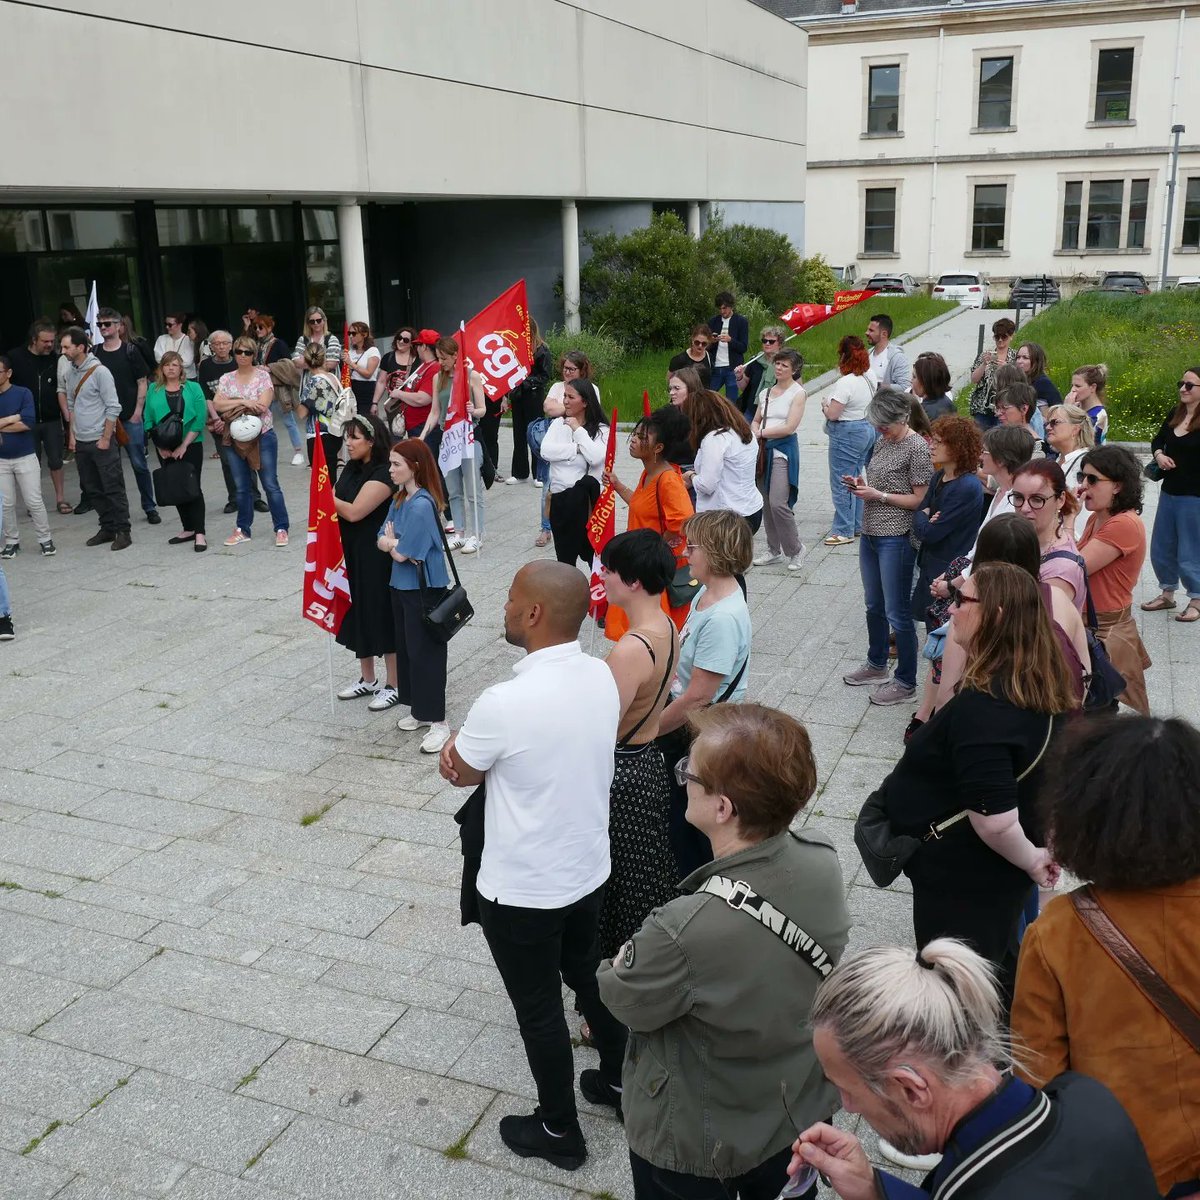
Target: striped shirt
x: 333, y: 350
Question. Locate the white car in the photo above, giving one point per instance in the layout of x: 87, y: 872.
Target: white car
x: 966, y: 288
x: 1188, y: 281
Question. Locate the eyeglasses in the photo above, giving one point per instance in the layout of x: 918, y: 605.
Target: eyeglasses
x: 106, y: 324
x: 249, y: 353
x: 959, y: 598
x: 704, y: 342
x: 1090, y: 479
x: 683, y: 776
x: 1055, y: 422
x: 1036, y: 501
x: 1184, y: 386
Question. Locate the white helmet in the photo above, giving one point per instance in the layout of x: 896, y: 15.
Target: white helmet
x: 245, y: 428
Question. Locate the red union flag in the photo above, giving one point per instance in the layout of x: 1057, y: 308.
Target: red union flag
x: 326, y: 593
x: 499, y: 344
x: 800, y: 317
x: 602, y: 525
x: 458, y: 430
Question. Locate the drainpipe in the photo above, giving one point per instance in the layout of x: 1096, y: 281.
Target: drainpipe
x: 933, y: 175
x: 1166, y: 227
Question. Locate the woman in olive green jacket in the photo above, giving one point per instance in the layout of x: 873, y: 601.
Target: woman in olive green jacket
x: 716, y: 986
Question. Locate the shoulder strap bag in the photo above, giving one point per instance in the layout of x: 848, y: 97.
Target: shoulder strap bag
x: 1130, y: 959
x: 682, y: 588
x: 167, y: 432
x: 444, y: 610
x: 662, y: 687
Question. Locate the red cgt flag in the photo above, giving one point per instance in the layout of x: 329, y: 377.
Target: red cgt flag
x: 346, y: 352
x: 326, y: 593
x: 602, y: 525
x: 499, y: 344
x: 800, y: 317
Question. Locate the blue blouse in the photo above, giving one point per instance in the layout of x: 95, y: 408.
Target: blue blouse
x: 415, y: 523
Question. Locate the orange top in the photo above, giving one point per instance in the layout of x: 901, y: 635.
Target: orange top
x: 663, y: 506
x: 1112, y: 586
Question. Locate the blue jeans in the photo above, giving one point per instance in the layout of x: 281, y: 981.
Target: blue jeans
x: 886, y: 565
x: 1175, y: 543
x: 5, y: 602
x: 466, y: 496
x: 136, y: 450
x: 243, y: 477
x: 289, y: 421
x: 849, y: 442
x: 724, y: 377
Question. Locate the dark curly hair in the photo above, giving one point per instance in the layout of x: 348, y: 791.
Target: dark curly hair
x: 1119, y: 802
x: 1119, y: 465
x: 962, y: 438
x: 668, y: 426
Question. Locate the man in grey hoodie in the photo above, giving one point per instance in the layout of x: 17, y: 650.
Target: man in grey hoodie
x: 94, y: 407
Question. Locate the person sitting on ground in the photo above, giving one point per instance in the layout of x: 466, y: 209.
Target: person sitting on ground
x: 711, y: 983
x: 1119, y: 806
x: 917, y: 1046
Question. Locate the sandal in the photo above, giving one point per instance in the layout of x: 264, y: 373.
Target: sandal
x: 1191, y: 614
x: 585, y: 1035
x: 836, y: 539
x: 543, y: 539
x: 64, y: 508
x: 1159, y: 604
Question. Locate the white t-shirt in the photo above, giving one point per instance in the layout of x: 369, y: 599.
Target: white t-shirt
x: 546, y: 817
x: 362, y: 358
x: 572, y: 454
x: 877, y: 372
x: 725, y: 467
x: 182, y: 345
x: 855, y: 392
x: 721, y: 357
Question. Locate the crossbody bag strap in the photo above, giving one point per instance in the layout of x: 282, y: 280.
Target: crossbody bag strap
x: 445, y: 543
x: 86, y: 376
x: 1089, y: 607
x: 741, y: 897
x: 662, y: 687
x: 1130, y: 959
x: 734, y: 682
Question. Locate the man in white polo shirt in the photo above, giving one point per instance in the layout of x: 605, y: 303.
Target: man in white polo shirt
x: 545, y: 852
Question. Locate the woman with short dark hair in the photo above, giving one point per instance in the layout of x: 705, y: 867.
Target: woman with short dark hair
x: 575, y: 446
x: 931, y: 385
x: 1119, y: 808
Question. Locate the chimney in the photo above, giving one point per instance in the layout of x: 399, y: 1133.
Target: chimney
x: 849, y: 7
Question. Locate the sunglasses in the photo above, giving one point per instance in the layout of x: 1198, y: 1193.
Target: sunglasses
x: 317, y: 321
x: 704, y: 342
x: 106, y: 324
x: 1055, y: 422
x: 406, y: 340
x: 1184, y: 386
x: 248, y: 353
x: 1090, y: 479
x: 770, y: 341
x: 957, y: 597
x: 1036, y: 501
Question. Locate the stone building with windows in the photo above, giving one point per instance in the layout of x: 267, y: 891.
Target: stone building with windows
x: 1010, y: 137
x: 394, y: 163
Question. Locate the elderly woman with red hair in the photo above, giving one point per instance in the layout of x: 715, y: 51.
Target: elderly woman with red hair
x: 850, y: 437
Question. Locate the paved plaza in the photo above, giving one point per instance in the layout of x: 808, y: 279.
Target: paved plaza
x: 206, y: 997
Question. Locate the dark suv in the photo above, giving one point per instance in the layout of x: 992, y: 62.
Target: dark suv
x: 1125, y: 281
x: 1031, y: 290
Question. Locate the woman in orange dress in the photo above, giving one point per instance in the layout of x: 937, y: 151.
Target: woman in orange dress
x: 660, y: 501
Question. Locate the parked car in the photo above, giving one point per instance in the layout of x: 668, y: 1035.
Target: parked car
x: 1188, y: 281
x: 1125, y: 281
x: 846, y: 275
x: 1030, y: 290
x: 895, y: 285
x: 967, y: 288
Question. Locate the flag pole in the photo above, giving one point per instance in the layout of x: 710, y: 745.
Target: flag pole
x: 329, y: 643
x: 475, y: 479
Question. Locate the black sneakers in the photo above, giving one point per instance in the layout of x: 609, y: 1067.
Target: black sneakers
x: 99, y: 538
x: 594, y: 1090
x: 11, y: 550
x: 529, y: 1138
x: 48, y: 549
x: 153, y: 518
x: 7, y: 633
x: 122, y: 541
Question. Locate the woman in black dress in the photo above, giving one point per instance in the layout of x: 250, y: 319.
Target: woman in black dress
x: 361, y: 496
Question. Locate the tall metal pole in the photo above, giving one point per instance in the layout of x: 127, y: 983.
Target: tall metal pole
x: 1169, y: 232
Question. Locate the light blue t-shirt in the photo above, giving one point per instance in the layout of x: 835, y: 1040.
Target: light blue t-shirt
x: 415, y: 524
x: 716, y: 639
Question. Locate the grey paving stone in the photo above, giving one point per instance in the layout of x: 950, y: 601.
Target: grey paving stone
x: 28, y: 1179
x: 188, y: 1121
x: 260, y: 929
x: 34, y: 877
x: 307, y: 1011
x: 393, y: 821
x: 369, y: 952
x: 76, y: 954
x: 173, y: 818
x: 114, y: 771
x: 429, y: 1041
x: 193, y: 1047
x: 206, y: 944
x: 121, y: 899
x: 96, y: 1189
x: 413, y: 861
x: 408, y: 989
x: 70, y: 912
x: 202, y: 1184
x: 370, y: 1094
x: 54, y: 1080
x: 308, y: 904
x: 18, y: 1127
x: 295, y: 964
x: 412, y: 891
x: 853, y: 780
x: 62, y: 852
x: 479, y: 977
x: 321, y: 843
x: 27, y: 998
x: 384, y: 773
x: 111, y: 1159
x: 100, y: 830
x: 882, y: 917
x: 190, y: 871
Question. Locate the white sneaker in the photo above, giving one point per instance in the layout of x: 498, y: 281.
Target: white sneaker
x: 511, y: 479
x: 298, y: 459
x: 537, y: 483
x: 436, y: 738
x: 455, y: 542
x: 471, y: 545
x: 410, y: 724
x: 386, y: 697
x: 797, y: 560
x: 913, y: 1162
x: 361, y: 688
x: 765, y: 560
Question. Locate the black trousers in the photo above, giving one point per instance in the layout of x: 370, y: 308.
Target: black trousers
x: 763, y: 1182
x: 526, y: 407
x: 332, y: 447
x: 103, y: 483
x: 420, y: 659
x: 487, y: 433
x: 536, y: 951
x: 569, y: 513
x: 191, y: 515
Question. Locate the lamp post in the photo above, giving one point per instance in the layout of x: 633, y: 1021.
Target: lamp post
x: 1176, y: 130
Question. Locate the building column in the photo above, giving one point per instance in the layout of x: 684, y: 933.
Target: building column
x: 354, y: 261
x: 694, y: 219
x: 570, y: 238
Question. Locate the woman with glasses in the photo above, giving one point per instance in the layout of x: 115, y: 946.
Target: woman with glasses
x: 1017, y: 405
x: 1087, y: 392
x: 272, y: 350
x: 363, y: 356
x: 320, y: 390
x: 170, y: 394
x: 660, y: 501
x: 754, y: 377
x: 850, y: 437
x: 1113, y: 546
x: 316, y: 332
x: 396, y: 368
x: 715, y: 999
x: 247, y: 391
x: 1069, y: 434
x: 983, y: 373
x: 780, y: 411
x: 1040, y: 494
x: 176, y: 340
x: 695, y: 356
x: 1175, y: 543
x: 402, y: 352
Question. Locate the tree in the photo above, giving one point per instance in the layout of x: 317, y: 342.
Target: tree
x: 763, y: 261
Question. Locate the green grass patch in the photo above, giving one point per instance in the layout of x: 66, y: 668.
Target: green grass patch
x: 1146, y: 341
x: 457, y: 1150
x: 247, y: 1078
x: 34, y: 1143
x: 313, y: 817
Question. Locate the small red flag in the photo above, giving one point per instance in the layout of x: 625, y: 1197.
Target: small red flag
x: 602, y: 525
x: 326, y: 593
x: 800, y: 317
x: 458, y: 431
x: 346, y: 351
x: 645, y: 402
x: 499, y: 343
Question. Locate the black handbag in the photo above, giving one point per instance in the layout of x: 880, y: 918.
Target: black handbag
x: 167, y: 434
x: 682, y: 589
x: 176, y: 483
x: 444, y: 610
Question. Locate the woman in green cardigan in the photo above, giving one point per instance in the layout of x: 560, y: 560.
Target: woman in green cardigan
x: 171, y: 392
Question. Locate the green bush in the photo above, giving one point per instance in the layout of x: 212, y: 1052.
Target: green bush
x: 817, y: 282
x: 764, y: 263
x: 649, y: 287
x: 605, y: 353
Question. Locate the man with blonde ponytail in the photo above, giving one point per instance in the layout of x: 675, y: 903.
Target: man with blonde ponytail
x: 915, y: 1043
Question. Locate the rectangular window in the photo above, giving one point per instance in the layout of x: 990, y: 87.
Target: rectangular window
x: 879, y: 226
x: 883, y: 99
x: 320, y: 224
x: 191, y: 226
x: 91, y: 229
x: 1114, y: 85
x: 1104, y: 214
x: 268, y: 225
x: 995, y: 93
x: 1072, y: 211
x: 987, y: 216
x: 1139, y: 198
x: 21, y: 229
x: 1191, y: 215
